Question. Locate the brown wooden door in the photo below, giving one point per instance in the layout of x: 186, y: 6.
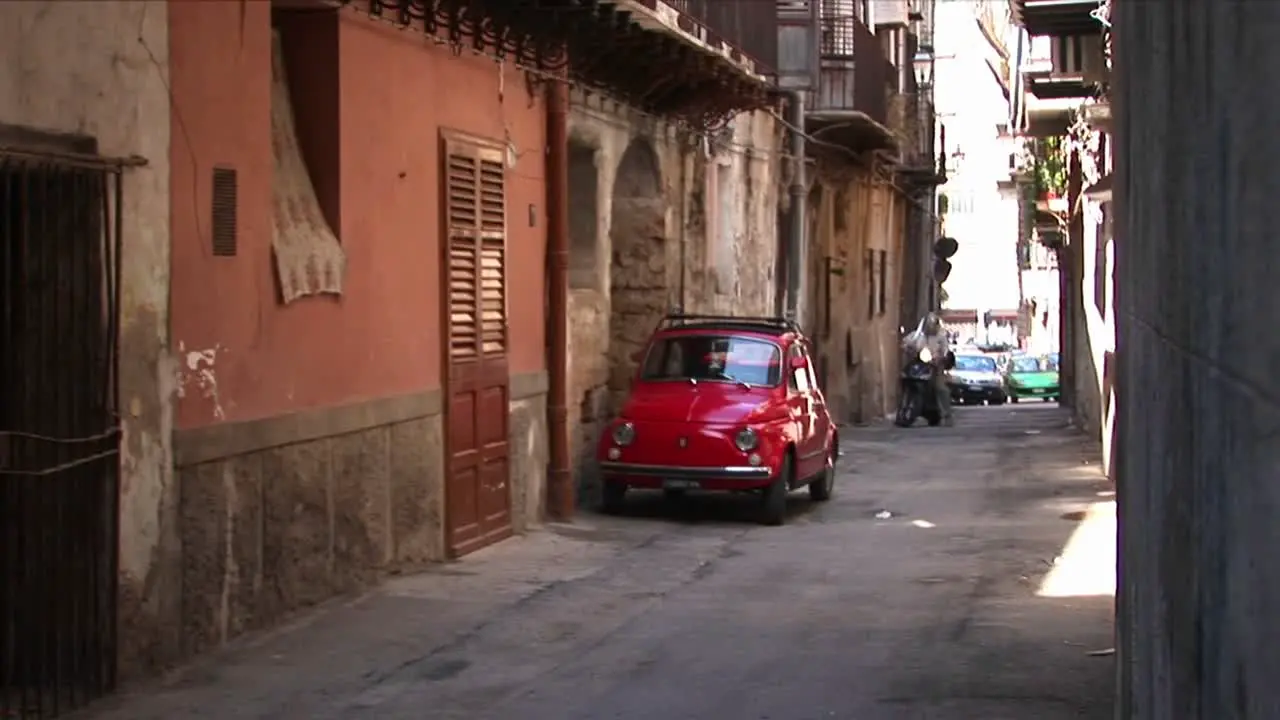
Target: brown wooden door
x: 477, y: 470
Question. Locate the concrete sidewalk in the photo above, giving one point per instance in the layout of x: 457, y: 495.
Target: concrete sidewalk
x: 924, y: 590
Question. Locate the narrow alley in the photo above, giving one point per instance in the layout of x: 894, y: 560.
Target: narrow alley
x: 936, y: 611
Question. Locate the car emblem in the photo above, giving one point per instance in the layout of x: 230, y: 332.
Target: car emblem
x: 684, y: 442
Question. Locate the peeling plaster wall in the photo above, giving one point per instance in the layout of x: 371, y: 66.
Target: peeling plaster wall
x: 96, y: 69
x: 684, y: 246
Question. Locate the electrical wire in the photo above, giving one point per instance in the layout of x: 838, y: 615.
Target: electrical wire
x: 905, y: 192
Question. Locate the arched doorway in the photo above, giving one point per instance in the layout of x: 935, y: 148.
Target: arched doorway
x: 638, y: 274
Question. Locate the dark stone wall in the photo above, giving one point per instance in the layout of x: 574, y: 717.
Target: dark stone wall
x: 1198, y: 265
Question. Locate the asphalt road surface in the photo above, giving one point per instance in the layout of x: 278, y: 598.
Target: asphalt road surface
x: 914, y: 593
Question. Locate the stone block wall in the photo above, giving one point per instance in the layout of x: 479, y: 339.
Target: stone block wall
x: 648, y: 234
x: 283, y: 513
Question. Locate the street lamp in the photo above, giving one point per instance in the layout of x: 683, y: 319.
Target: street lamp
x: 923, y: 65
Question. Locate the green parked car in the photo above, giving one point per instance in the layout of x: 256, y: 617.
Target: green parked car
x: 1028, y: 377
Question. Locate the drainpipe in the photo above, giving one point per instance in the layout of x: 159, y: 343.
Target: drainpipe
x: 560, y: 491
x: 797, y: 249
x: 684, y: 227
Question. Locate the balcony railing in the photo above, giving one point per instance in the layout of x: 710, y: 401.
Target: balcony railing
x: 853, y: 73
x: 751, y: 27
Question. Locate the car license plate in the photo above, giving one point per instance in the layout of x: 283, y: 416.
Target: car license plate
x: 1038, y: 391
x: 680, y: 485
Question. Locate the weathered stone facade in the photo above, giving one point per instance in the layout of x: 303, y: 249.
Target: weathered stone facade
x: 855, y: 262
x: 658, y: 221
x: 121, y: 106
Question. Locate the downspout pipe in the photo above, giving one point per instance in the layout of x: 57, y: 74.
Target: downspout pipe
x: 560, y: 491
x: 798, y: 246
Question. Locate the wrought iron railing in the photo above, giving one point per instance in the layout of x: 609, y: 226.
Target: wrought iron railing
x: 59, y: 432
x: 853, y: 72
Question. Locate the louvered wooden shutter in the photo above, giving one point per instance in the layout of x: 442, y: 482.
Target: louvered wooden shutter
x: 475, y: 198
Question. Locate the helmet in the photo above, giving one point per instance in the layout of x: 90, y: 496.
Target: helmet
x: 932, y: 324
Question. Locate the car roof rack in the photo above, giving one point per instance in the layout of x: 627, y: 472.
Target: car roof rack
x: 774, y: 324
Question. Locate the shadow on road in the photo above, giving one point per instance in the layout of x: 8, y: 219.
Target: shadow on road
x: 936, y: 584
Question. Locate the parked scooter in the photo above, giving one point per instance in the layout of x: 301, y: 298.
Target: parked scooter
x: 916, y: 395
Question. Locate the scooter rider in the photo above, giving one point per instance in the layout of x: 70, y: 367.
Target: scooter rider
x: 935, y: 339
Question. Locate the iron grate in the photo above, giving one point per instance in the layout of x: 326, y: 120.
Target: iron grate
x: 225, y: 191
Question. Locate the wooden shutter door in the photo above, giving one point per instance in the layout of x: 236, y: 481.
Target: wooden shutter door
x: 477, y: 471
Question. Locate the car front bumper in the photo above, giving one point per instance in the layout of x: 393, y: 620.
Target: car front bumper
x: 1037, y: 392
x: 976, y: 392
x: 672, y: 477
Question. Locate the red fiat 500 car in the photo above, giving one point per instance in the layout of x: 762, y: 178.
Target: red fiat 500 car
x: 722, y: 404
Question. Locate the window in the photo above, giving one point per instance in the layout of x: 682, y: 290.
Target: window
x: 1101, y: 276
x: 713, y: 358
x: 727, y: 225
x: 584, y: 216
x: 975, y: 363
x: 475, y: 241
x: 309, y: 259
x: 1026, y: 365
x: 798, y: 378
x: 869, y: 265
x: 882, y: 289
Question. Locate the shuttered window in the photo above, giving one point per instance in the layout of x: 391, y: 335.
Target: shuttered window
x: 475, y: 222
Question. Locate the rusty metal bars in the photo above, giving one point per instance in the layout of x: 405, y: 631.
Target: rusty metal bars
x: 59, y: 434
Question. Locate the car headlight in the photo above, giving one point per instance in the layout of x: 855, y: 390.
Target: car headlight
x: 746, y: 440
x: 624, y: 434
x: 925, y: 355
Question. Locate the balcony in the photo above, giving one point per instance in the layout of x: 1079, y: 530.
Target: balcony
x: 1056, y: 17
x: 849, y: 104
x: 681, y: 66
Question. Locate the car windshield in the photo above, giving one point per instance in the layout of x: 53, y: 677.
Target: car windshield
x: 714, y: 358
x: 1026, y: 365
x: 975, y: 363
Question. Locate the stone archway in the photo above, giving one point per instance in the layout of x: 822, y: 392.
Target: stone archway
x: 638, y: 274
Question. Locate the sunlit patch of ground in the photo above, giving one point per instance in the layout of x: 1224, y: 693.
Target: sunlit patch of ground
x: 1087, y: 565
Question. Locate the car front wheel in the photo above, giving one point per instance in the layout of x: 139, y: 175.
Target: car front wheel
x: 773, y: 505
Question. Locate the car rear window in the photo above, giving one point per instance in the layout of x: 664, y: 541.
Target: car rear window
x: 975, y: 363
x: 713, y: 358
x: 1026, y: 365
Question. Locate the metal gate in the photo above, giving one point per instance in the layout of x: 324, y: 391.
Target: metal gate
x: 59, y: 430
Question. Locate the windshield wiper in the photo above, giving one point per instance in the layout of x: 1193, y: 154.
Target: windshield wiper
x: 745, y: 385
